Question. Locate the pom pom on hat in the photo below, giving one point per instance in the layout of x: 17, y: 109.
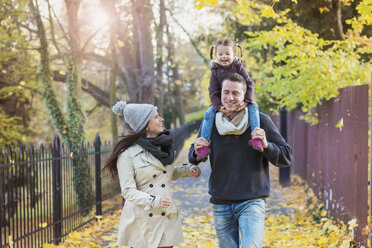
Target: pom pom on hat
x: 136, y: 115
x: 118, y: 108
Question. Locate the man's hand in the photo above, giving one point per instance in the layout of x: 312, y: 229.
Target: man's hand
x: 165, y: 202
x: 259, y: 133
x: 200, y: 142
x: 195, y: 171
x: 242, y: 106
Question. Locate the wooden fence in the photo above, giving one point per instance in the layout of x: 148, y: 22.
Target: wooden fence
x: 334, y: 160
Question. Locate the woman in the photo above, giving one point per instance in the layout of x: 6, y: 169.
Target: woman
x: 142, y: 163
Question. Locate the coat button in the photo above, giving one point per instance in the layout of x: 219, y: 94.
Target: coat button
x: 150, y: 214
x: 163, y: 214
x: 164, y: 171
x: 151, y: 185
x: 154, y: 176
x: 221, y: 70
x: 163, y: 185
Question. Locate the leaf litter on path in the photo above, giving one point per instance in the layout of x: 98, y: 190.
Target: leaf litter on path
x: 294, y: 217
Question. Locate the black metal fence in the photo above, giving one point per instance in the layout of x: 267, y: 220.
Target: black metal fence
x: 39, y: 202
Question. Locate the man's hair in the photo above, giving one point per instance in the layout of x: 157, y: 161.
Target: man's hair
x: 235, y: 77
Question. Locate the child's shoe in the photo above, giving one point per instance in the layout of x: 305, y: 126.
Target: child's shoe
x: 256, y: 144
x: 203, y: 152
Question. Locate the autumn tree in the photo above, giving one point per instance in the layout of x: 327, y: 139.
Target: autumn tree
x: 16, y: 74
x: 294, y: 66
x: 303, y: 69
x: 71, y: 125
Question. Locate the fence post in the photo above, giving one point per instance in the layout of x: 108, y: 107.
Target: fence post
x: 2, y: 197
x: 284, y: 173
x: 97, y: 147
x: 370, y: 162
x: 57, y: 190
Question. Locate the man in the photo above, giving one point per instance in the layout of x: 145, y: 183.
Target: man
x: 239, y: 182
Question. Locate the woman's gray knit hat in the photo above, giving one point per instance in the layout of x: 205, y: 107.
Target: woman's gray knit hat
x: 136, y: 115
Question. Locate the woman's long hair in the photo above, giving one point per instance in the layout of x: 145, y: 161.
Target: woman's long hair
x: 124, y: 143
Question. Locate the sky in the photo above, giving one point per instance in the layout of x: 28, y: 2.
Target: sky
x: 189, y: 17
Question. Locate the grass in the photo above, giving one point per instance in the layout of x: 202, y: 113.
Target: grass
x: 195, y: 115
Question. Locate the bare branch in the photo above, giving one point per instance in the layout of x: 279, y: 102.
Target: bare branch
x: 91, y: 37
x: 61, y: 27
x: 100, y: 95
x: 52, y: 28
x: 97, y: 58
x: 89, y: 112
x: 205, y: 60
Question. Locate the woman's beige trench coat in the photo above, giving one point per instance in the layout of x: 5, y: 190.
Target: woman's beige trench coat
x: 143, y: 180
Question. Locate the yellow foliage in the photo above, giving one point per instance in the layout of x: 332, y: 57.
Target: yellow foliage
x: 74, y: 236
x: 323, y: 10
x: 323, y: 213
x: 43, y: 225
x: 120, y: 43
x: 93, y: 245
x: 352, y: 224
x: 294, y: 229
x: 208, y: 245
x: 340, y: 124
x: 268, y: 12
x: 199, y: 4
x: 11, y: 243
x: 48, y: 246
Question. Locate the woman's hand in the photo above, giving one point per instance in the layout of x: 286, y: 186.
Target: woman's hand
x: 195, y: 171
x: 165, y: 201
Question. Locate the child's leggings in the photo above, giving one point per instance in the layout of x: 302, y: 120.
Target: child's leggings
x: 210, y: 115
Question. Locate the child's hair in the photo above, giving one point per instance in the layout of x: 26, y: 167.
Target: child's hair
x: 226, y: 42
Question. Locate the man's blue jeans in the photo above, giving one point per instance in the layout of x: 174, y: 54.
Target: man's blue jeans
x: 240, y: 225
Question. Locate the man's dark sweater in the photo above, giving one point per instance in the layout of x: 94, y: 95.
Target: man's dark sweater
x: 238, y: 172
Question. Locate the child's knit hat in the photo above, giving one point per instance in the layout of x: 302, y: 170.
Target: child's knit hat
x: 136, y: 115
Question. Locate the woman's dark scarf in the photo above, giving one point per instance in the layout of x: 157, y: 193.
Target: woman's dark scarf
x: 161, y: 146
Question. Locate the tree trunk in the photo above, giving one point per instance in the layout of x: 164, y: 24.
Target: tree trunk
x: 173, y: 78
x: 109, y: 5
x: 45, y: 75
x: 74, y: 29
x: 75, y: 113
x: 113, y: 77
x: 337, y: 15
x: 142, y: 16
x: 179, y: 104
x: 159, y: 60
x: 135, y: 57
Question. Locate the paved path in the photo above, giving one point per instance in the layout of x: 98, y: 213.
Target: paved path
x: 191, y: 194
x: 192, y: 198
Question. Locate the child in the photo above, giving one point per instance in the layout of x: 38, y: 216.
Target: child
x: 226, y: 63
